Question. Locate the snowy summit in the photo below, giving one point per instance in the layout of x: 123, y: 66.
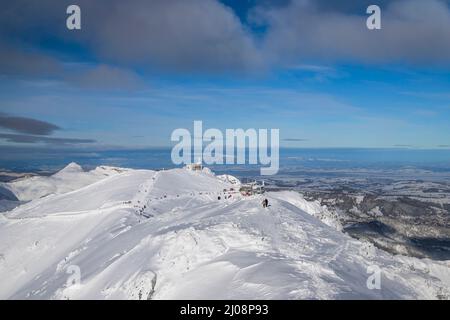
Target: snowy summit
x: 114, y: 233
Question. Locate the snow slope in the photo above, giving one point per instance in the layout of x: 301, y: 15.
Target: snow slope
x: 70, y: 178
x: 141, y: 234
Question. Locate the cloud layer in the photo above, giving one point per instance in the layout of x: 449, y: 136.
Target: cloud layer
x: 179, y: 35
x: 413, y: 31
x: 207, y: 36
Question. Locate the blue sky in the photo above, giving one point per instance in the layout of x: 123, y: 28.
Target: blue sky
x: 255, y: 67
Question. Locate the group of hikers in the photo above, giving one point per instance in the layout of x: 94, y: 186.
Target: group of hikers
x: 225, y: 197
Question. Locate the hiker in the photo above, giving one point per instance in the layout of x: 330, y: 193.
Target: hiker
x: 265, y: 203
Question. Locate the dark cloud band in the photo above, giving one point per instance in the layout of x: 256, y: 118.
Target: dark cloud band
x: 27, y: 125
x: 21, y: 138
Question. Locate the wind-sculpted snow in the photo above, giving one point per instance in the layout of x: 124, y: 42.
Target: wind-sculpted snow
x: 143, y: 234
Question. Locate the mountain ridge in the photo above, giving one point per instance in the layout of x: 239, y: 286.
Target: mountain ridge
x: 143, y: 234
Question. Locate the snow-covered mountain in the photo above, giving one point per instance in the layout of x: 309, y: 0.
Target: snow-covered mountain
x: 70, y: 178
x: 141, y: 234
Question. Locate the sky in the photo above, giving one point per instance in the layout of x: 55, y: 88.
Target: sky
x: 137, y: 70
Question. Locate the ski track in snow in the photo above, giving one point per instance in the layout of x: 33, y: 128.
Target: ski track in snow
x: 141, y: 234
